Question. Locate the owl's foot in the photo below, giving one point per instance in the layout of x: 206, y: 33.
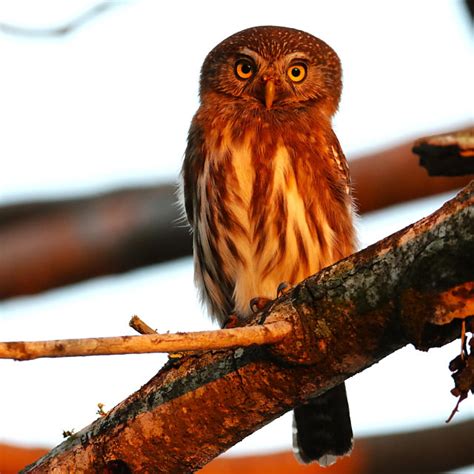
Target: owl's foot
x: 283, y: 288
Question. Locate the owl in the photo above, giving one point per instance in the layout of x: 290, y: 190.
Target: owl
x: 266, y: 190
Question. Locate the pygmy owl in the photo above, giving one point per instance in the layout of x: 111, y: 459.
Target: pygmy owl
x: 266, y: 190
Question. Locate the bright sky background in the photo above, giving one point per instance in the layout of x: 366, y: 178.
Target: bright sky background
x: 110, y: 105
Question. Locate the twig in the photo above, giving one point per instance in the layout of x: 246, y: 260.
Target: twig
x: 179, y: 342
x: 456, y: 408
x: 62, y: 30
x: 140, y: 326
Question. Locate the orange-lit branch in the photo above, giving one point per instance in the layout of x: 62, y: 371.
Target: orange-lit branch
x: 179, y: 342
x: 344, y: 319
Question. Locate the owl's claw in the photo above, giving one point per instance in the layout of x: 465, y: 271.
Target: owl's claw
x: 283, y: 288
x: 260, y: 304
x: 233, y: 321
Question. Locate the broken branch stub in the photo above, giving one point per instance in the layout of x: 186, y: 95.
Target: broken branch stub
x: 448, y: 154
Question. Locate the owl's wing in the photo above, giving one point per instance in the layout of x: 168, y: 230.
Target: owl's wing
x: 192, y: 168
x: 341, y: 163
x: 216, y: 289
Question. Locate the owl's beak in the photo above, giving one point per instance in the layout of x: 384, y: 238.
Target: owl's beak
x: 269, y: 93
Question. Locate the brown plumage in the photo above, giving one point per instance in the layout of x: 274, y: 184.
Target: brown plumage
x: 266, y: 187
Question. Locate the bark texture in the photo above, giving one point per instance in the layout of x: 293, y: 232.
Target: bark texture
x: 346, y: 318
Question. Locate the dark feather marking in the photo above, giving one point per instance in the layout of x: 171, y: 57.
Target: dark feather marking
x: 259, y: 236
x: 281, y: 213
x: 233, y: 249
x: 303, y: 259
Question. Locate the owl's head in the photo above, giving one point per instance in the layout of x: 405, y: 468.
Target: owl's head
x: 271, y: 67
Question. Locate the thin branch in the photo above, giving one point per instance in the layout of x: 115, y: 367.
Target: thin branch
x: 62, y: 30
x: 346, y: 318
x: 179, y: 342
x: 457, y: 302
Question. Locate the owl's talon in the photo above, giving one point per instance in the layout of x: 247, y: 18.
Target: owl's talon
x: 233, y: 321
x: 259, y: 304
x: 283, y: 288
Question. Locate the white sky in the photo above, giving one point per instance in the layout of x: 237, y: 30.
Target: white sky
x: 111, y: 104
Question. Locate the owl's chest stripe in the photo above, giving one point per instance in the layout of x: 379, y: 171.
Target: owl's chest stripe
x: 258, y: 231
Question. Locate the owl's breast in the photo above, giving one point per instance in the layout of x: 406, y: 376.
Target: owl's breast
x: 259, y: 225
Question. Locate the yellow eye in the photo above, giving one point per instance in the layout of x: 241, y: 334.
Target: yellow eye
x: 297, y: 72
x: 244, y: 69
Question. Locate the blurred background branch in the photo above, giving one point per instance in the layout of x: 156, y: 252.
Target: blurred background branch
x: 62, y: 30
x: 439, y: 449
x: 427, y: 450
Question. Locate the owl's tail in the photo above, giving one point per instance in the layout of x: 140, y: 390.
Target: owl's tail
x: 322, y: 428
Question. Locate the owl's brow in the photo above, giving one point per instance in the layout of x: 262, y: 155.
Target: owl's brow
x: 250, y: 53
x: 297, y: 56
x: 291, y: 57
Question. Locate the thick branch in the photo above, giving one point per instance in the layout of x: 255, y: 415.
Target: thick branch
x: 345, y: 319
x: 54, y: 243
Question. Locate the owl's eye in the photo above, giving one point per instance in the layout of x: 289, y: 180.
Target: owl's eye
x: 297, y: 72
x: 244, y: 69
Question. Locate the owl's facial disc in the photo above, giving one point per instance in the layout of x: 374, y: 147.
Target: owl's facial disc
x: 302, y: 71
x: 272, y: 82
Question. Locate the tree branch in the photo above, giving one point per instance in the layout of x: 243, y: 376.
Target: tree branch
x: 345, y: 318
x: 145, y: 344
